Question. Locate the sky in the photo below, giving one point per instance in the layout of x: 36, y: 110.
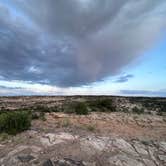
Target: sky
x: 83, y: 47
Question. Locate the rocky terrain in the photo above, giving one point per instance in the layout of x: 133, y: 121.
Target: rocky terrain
x: 96, y: 139
x: 122, y: 103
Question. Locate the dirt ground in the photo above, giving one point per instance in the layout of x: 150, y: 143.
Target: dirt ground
x: 119, y: 124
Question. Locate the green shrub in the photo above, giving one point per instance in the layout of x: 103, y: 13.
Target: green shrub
x: 46, y: 109
x: 104, y: 105
x: 14, y: 122
x: 35, y: 115
x: 138, y: 110
x: 80, y: 108
x: 68, y: 108
x: 40, y: 108
x: 54, y: 109
x: 91, y: 128
x: 65, y: 122
x: 4, y: 136
x: 42, y: 116
x: 163, y: 109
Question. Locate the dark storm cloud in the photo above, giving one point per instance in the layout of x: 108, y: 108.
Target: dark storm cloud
x: 124, y: 78
x: 75, y: 42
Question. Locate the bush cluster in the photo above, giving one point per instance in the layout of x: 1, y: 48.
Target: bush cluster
x: 14, y: 122
x: 83, y: 108
x: 138, y: 110
x: 41, y: 108
x: 103, y: 105
x: 80, y: 108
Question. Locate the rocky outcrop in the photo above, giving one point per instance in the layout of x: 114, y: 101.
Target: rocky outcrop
x: 91, y: 150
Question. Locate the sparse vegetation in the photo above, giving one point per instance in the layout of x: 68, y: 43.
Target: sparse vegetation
x: 91, y: 128
x: 150, y: 103
x: 65, y: 122
x: 81, y: 108
x: 138, y: 110
x: 103, y: 105
x: 4, y: 137
x: 14, y: 122
x: 42, y: 116
x: 35, y: 115
x: 41, y: 108
x: 68, y: 108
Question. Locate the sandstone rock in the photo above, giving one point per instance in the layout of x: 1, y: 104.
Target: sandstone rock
x: 124, y: 146
x: 92, y: 145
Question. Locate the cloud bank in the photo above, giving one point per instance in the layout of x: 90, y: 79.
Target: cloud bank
x: 75, y: 42
x: 161, y: 93
x: 124, y: 78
